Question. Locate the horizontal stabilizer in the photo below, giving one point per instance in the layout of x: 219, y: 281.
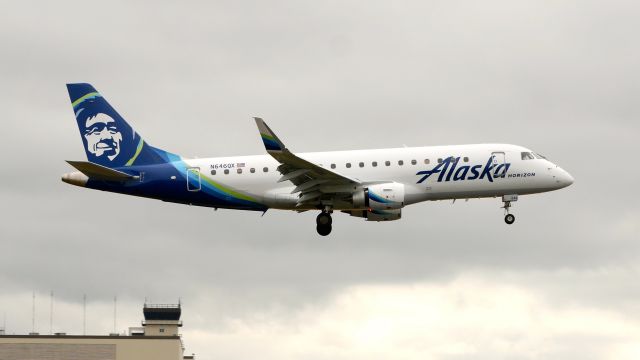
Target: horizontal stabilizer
x: 99, y: 172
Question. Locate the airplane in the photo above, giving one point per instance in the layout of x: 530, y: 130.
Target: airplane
x: 371, y: 184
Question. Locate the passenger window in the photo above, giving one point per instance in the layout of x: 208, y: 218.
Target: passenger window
x: 361, y: 164
x: 226, y: 171
x: 239, y: 171
x: 348, y: 165
x: 387, y: 163
x: 213, y: 172
x: 265, y: 169
x: 333, y: 166
x: 374, y: 164
x: 400, y: 162
x: 252, y: 170
x: 413, y: 162
x: 426, y: 161
x: 439, y: 160
x: 466, y: 159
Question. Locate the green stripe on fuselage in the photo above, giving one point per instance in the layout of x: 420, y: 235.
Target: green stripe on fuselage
x: 228, y: 191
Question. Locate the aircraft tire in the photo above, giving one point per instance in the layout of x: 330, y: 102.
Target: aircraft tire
x: 509, y: 219
x: 324, y: 230
x: 324, y: 219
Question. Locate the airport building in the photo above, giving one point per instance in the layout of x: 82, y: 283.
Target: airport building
x: 157, y: 339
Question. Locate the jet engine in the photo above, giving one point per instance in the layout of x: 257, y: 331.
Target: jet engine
x: 377, y: 215
x: 386, y: 196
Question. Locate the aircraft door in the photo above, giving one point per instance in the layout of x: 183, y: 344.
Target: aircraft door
x: 499, y: 163
x: 193, y: 179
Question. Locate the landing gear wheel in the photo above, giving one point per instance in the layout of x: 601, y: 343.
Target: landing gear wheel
x: 324, y: 230
x: 509, y: 219
x: 324, y: 219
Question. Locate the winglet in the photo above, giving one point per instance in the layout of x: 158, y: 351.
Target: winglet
x: 269, y: 138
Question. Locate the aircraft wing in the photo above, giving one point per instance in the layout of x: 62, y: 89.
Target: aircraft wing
x: 312, y: 181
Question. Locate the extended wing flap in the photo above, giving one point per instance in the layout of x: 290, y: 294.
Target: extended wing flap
x: 99, y: 172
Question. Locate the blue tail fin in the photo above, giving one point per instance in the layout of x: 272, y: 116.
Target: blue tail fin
x: 108, y: 139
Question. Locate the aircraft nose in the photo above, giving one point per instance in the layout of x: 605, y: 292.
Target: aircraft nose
x: 564, y: 178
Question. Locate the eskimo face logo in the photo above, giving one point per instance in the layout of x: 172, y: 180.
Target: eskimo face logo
x: 103, y: 137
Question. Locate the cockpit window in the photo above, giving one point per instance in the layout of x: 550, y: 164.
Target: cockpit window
x: 538, y: 156
x: 527, y: 156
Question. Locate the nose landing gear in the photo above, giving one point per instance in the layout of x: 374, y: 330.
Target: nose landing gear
x: 509, y: 219
x: 323, y: 222
x: 507, y: 199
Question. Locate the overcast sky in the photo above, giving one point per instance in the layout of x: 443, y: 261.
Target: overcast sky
x: 445, y: 282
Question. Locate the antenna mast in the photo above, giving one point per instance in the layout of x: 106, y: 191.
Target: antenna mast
x: 33, y: 313
x: 115, y: 312
x: 51, y: 315
x: 84, y: 314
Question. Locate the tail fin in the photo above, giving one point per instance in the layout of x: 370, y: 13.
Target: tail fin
x: 108, y: 139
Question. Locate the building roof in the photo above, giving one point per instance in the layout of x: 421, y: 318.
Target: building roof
x: 119, y: 337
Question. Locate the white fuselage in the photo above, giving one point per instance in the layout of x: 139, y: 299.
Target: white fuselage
x: 258, y: 176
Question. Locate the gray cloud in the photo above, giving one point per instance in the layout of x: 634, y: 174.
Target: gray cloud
x: 560, y: 78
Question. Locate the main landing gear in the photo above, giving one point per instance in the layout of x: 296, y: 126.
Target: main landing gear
x: 507, y: 199
x: 323, y: 222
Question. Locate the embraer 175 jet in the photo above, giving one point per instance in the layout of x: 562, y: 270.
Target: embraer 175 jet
x: 371, y: 184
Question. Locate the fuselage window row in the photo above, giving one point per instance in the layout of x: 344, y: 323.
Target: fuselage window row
x: 348, y: 165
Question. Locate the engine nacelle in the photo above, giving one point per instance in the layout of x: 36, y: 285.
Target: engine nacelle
x: 387, y: 196
x: 377, y: 215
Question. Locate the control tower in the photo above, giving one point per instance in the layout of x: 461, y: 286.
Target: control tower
x: 157, y: 339
x: 161, y: 319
